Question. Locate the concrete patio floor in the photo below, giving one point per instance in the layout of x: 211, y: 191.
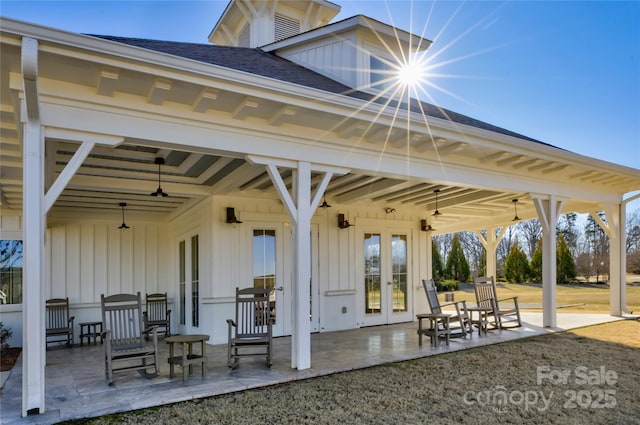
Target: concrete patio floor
x: 76, y: 386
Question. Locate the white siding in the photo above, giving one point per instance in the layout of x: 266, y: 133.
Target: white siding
x: 334, y: 58
x: 87, y: 259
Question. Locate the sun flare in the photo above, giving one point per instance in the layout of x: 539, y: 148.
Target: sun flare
x: 411, y: 73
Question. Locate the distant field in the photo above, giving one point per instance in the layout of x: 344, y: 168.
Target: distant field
x: 583, y: 297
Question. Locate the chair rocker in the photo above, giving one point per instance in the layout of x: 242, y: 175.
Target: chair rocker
x: 59, y: 325
x: 460, y: 319
x: 504, y: 317
x: 158, y: 314
x: 250, y: 334
x: 124, y: 337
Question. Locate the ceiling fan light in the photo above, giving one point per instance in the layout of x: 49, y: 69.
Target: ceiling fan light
x: 324, y: 203
x: 159, y: 193
x: 123, y: 226
x: 436, y: 212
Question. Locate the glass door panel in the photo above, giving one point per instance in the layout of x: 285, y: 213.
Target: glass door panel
x: 386, y: 294
x: 372, y: 277
x: 189, y: 284
x: 264, y: 265
x: 399, y: 270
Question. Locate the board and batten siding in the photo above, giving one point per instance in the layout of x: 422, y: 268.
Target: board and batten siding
x: 87, y: 260
x: 335, y: 58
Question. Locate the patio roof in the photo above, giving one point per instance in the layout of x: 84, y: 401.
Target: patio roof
x: 77, y: 387
x: 142, y: 92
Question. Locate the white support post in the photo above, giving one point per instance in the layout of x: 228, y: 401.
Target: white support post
x: 615, y: 214
x: 490, y: 244
x: 548, y: 213
x: 301, y: 348
x: 300, y: 208
x: 33, y: 335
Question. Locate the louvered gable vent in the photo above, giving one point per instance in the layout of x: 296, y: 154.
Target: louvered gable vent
x: 285, y: 27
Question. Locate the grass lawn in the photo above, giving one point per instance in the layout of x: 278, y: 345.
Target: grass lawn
x: 583, y: 297
x: 587, y: 376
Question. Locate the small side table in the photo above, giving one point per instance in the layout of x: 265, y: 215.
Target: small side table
x: 186, y: 359
x: 482, y: 321
x: 433, y: 331
x: 90, y: 330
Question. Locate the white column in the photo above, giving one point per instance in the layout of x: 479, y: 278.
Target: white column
x: 490, y: 244
x: 33, y: 336
x: 300, y: 208
x: 301, y: 347
x: 548, y: 213
x: 615, y: 229
x: 33, y: 339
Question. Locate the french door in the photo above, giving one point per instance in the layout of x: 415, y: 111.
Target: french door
x: 271, y: 266
x: 189, y: 284
x: 385, y: 291
x: 266, y: 267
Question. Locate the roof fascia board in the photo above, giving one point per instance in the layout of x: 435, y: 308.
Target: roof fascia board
x: 487, y: 138
x: 350, y: 24
x: 130, y: 56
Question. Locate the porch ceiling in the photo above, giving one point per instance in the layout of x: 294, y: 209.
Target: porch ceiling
x: 132, y: 93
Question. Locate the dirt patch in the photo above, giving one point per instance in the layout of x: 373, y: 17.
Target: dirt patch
x: 8, y: 358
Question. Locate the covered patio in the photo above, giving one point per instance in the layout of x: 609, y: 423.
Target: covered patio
x: 245, y: 159
x: 77, y: 387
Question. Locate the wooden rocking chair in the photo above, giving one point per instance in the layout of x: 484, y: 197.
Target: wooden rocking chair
x: 124, y: 337
x: 158, y: 314
x: 250, y: 332
x: 461, y: 316
x: 487, y: 297
x: 59, y: 325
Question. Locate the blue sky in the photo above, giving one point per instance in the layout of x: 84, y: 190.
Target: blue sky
x: 566, y: 73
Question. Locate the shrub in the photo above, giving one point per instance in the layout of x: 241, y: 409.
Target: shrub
x: 457, y: 266
x: 5, y: 334
x: 516, y: 269
x: 447, y: 285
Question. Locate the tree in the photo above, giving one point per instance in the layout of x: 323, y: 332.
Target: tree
x: 598, y: 243
x: 516, y: 268
x: 457, y: 267
x: 436, y: 262
x: 536, y: 263
x: 473, y: 250
x: 532, y: 232
x: 482, y: 267
x: 569, y: 231
x: 565, y: 266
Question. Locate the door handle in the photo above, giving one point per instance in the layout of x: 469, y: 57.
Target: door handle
x: 389, y: 283
x: 280, y: 288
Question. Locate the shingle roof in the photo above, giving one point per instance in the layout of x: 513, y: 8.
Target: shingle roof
x: 258, y: 62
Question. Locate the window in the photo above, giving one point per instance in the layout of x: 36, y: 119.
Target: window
x: 10, y: 272
x: 195, y: 283
x: 182, y: 280
x: 380, y: 71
